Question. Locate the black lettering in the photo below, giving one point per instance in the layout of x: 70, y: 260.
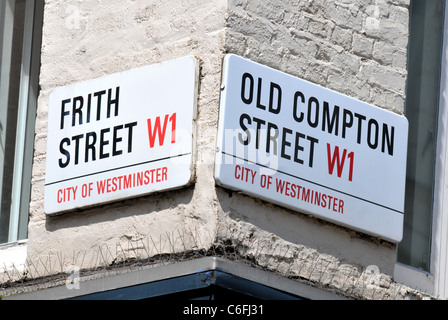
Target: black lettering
x: 63, y: 164
x: 77, y: 139
x: 260, y: 85
x: 247, y: 76
x: 103, y: 143
x: 272, y: 138
x: 244, y: 128
x: 374, y: 144
x: 361, y: 118
x: 96, y: 141
x: 63, y: 112
x: 313, y: 123
x: 116, y: 139
x: 90, y: 146
x: 275, y: 87
x: 312, y: 141
x: 285, y: 143
x: 259, y: 122
x: 130, y: 127
x: 98, y: 95
x: 89, y: 107
x: 111, y: 101
x: 347, y: 121
x: 298, y: 147
x: 389, y: 139
x: 298, y: 118
x: 77, y: 110
x: 332, y: 124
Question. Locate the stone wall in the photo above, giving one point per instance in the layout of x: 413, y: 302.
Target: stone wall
x: 85, y: 40
x: 358, y: 49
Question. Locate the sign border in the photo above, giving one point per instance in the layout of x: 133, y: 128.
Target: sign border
x: 192, y: 154
x: 392, y: 231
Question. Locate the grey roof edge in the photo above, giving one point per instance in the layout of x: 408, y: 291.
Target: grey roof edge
x: 128, y: 278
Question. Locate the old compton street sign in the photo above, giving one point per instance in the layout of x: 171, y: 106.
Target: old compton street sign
x: 121, y: 136
x: 310, y: 149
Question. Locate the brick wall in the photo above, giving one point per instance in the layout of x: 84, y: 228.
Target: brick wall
x: 358, y: 49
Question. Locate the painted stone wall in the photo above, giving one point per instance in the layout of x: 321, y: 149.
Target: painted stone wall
x: 358, y: 49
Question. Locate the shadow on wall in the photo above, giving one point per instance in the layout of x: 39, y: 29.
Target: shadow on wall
x: 159, y: 202
x: 347, y: 245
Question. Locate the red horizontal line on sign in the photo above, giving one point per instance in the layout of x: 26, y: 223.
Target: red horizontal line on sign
x: 312, y: 182
x: 114, y: 169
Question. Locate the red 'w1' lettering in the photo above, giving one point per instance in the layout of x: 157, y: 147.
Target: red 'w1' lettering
x: 159, y: 130
x: 338, y: 161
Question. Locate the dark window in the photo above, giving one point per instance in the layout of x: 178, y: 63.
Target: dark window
x: 20, y: 41
x: 424, y: 65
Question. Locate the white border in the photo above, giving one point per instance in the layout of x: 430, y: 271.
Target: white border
x: 13, y: 256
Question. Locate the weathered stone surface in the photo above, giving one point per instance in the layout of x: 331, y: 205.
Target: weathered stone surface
x: 358, y: 49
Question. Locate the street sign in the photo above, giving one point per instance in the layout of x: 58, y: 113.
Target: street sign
x: 121, y: 136
x: 305, y: 147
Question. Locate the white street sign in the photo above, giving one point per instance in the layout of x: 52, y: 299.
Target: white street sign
x: 121, y: 136
x: 310, y: 149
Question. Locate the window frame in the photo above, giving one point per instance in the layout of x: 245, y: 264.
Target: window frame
x: 439, y: 253
x: 26, y: 115
x: 435, y: 281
